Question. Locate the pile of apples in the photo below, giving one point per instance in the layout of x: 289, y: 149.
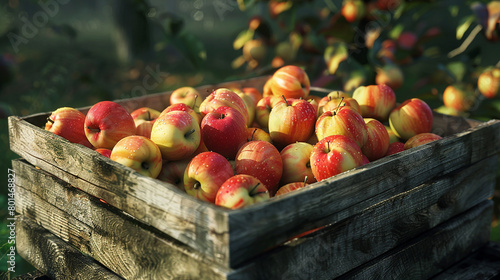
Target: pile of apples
x: 239, y: 146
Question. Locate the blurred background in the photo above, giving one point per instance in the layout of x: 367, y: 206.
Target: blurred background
x: 56, y: 53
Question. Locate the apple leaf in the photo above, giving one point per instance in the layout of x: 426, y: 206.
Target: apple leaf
x: 334, y: 55
x: 464, y: 25
x: 243, y: 37
x: 244, y: 4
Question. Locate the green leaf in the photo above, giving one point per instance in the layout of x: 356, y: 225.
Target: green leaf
x: 243, y: 37
x: 464, y: 25
x: 244, y: 4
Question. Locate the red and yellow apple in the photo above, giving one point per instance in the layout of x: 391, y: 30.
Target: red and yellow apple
x: 138, y: 153
x: 375, y: 101
x: 187, y: 95
x: 144, y: 119
x: 106, y: 123
x: 68, y: 123
x: 290, y: 81
x: 240, y: 191
x: 378, y: 140
x: 224, y: 97
x: 410, y: 118
x: 458, y: 97
x: 488, y: 82
x: 296, y: 163
x: 421, y: 139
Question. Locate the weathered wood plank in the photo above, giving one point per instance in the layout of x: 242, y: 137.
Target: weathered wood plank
x: 483, y: 264
x: 335, y: 250
x: 119, y: 242
x: 433, y: 251
x: 54, y: 257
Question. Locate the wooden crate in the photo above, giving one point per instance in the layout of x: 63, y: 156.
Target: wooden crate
x: 236, y: 242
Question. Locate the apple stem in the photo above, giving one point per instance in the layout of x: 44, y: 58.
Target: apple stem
x: 195, y: 97
x: 145, y: 165
x: 254, y: 187
x: 197, y: 185
x: 305, y: 180
x: 50, y: 120
x: 338, y: 107
x: 189, y: 133
x: 149, y: 116
x: 286, y: 102
x: 251, y: 137
x: 96, y: 129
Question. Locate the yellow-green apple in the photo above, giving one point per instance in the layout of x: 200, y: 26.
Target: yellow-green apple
x: 392, y: 135
x: 204, y: 175
x: 263, y: 109
x: 172, y: 172
x: 290, y: 187
x: 254, y: 133
x: 488, y: 82
x: 187, y: 95
x: 291, y: 121
x: 177, y: 134
x: 262, y: 160
x: 342, y: 121
x: 421, y: 139
x: 106, y: 123
x: 139, y: 153
x: 144, y: 119
x: 290, y: 81
x: 410, y: 118
x: 104, y: 152
x: 391, y: 75
x: 68, y: 123
x: 240, y: 191
x: 458, y: 97
x: 296, y: 163
x: 333, y: 155
x: 395, y: 148
x: 224, y: 97
x: 182, y: 107
x: 378, y: 140
x: 376, y: 101
x: 223, y: 131
x: 353, y: 10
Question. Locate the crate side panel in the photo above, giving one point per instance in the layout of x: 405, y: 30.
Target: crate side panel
x: 434, y: 251
x: 333, y: 251
x: 53, y: 256
x: 114, y: 239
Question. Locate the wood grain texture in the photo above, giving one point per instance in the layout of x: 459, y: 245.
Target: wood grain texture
x: 122, y: 243
x: 119, y: 242
x: 433, y: 251
x: 233, y: 237
x: 483, y: 264
x: 54, y: 257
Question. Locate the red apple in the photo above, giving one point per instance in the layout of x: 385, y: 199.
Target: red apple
x: 421, y: 139
x: 187, y: 95
x: 378, y: 140
x: 177, y: 134
x: 488, y: 82
x: 68, y: 123
x: 107, y: 123
x: 342, y: 121
x: 138, y: 153
x: 395, y: 148
x: 290, y: 187
x: 291, y: 121
x: 254, y: 93
x: 104, y: 152
x: 329, y: 103
x: 407, y: 40
x: 376, y: 101
x: 205, y: 174
x: 144, y: 119
x: 290, y: 81
x: 333, y: 155
x: 224, y: 130
x: 353, y: 10
x: 410, y: 118
x: 224, y: 97
x: 262, y: 160
x: 172, y: 172
x: 296, y: 163
x: 458, y: 97
x: 240, y: 191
